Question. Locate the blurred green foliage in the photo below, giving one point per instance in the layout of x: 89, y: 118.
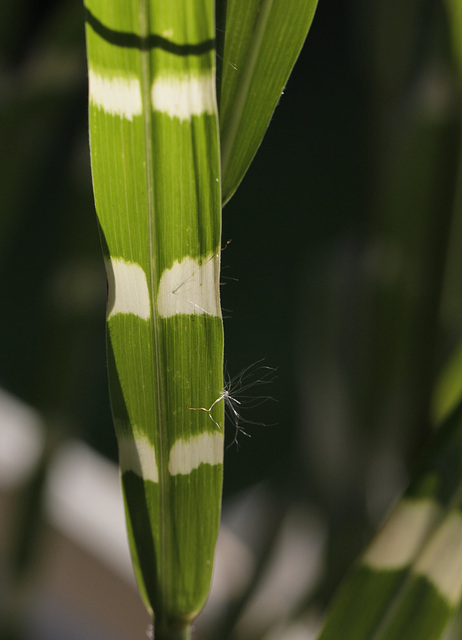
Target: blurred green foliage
x: 346, y: 247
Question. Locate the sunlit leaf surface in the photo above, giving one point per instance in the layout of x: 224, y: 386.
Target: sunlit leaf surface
x: 155, y: 162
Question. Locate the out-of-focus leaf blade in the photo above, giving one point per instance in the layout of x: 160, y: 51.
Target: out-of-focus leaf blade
x: 408, y: 584
x: 448, y: 390
x: 455, y: 23
x: 262, y: 40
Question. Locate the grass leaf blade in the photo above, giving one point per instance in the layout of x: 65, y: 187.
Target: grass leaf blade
x: 156, y: 174
x: 262, y: 40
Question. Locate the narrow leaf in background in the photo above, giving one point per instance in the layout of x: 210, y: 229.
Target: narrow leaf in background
x: 156, y: 174
x: 448, y: 391
x: 262, y: 41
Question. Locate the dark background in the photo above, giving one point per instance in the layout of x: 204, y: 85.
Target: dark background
x: 343, y: 273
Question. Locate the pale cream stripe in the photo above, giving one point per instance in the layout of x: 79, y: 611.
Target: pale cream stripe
x: 184, y: 95
x: 441, y: 560
x: 138, y: 455
x: 190, y: 288
x: 116, y: 95
x: 403, y: 534
x: 127, y: 289
x: 187, y: 455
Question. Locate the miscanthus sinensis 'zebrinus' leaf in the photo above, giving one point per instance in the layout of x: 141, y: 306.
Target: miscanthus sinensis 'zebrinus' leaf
x: 259, y: 42
x: 156, y: 174
x: 408, y: 584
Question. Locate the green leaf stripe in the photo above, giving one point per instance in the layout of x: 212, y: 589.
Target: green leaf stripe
x: 408, y: 584
x: 156, y: 173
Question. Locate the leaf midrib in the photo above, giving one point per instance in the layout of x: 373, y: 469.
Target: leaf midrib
x: 162, y: 452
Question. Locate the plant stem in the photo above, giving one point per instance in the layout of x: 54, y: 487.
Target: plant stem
x: 173, y: 631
